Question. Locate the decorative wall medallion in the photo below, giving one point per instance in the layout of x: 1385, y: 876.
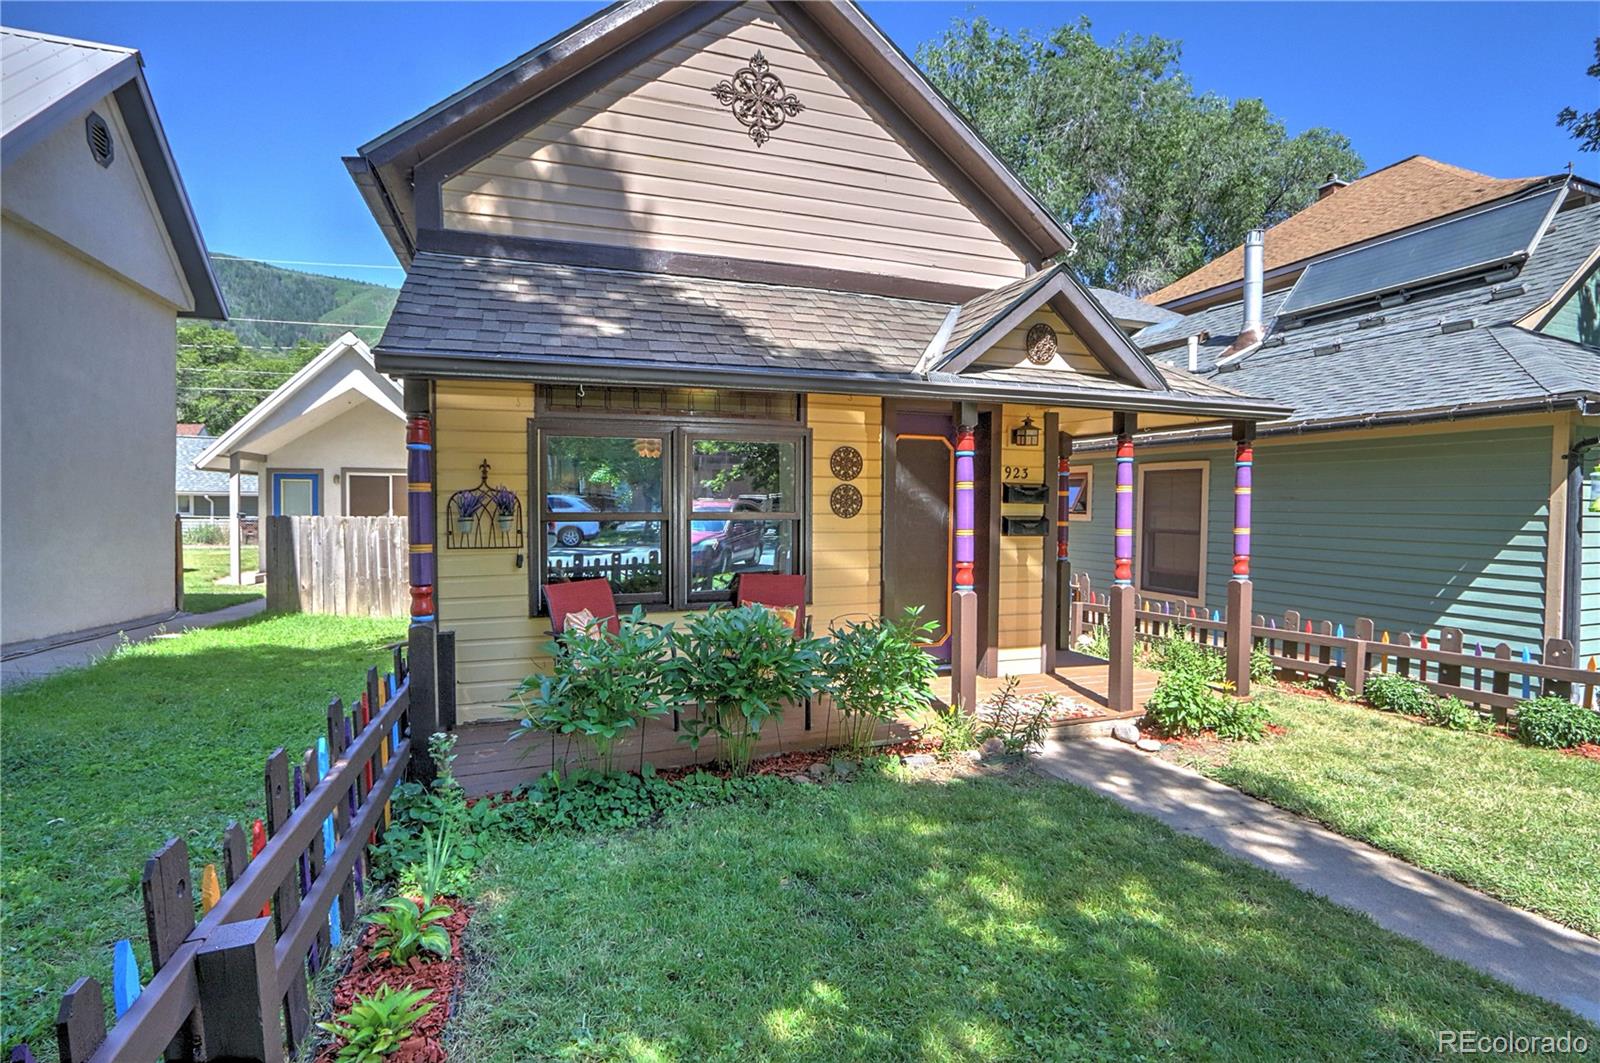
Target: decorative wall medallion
x: 1041, y: 344
x: 845, y: 463
x: 758, y: 99
x: 845, y: 501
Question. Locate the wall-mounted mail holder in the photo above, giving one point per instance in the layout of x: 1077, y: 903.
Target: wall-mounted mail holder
x: 1022, y: 526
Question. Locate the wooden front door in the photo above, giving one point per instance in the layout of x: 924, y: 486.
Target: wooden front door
x: 918, y: 546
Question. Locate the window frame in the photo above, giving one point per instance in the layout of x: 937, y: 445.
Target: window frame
x: 1087, y: 472
x: 1141, y: 510
x: 677, y: 511
x: 346, y: 473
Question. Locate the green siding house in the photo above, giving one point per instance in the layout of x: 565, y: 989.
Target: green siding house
x: 1440, y: 466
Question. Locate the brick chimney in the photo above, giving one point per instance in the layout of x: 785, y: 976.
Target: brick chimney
x: 1330, y: 186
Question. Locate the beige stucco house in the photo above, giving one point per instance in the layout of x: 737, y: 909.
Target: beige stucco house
x: 330, y: 440
x: 100, y: 253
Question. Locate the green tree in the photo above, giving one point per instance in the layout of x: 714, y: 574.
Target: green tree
x: 1584, y: 125
x: 220, y: 380
x: 1153, y: 178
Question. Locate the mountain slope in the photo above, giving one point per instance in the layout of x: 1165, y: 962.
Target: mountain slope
x: 258, y: 290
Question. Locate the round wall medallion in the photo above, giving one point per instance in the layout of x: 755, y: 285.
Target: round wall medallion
x: 1041, y: 344
x: 845, y: 463
x: 845, y: 501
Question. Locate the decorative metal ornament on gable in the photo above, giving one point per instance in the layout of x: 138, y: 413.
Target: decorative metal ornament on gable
x: 484, y: 517
x: 758, y: 99
x: 1041, y: 344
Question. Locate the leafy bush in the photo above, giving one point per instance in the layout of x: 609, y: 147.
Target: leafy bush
x: 205, y: 534
x: 877, y: 671
x: 601, y: 684
x: 1262, y: 670
x: 1556, y: 723
x: 1241, y: 721
x: 1096, y: 642
x: 586, y: 801
x: 438, y: 874
x: 739, y: 666
x: 1184, y: 703
x: 1018, y: 722
x: 406, y: 928
x: 421, y: 815
x: 1396, y: 693
x: 1454, y: 714
x: 376, y: 1025
x: 953, y: 727
x: 1177, y: 652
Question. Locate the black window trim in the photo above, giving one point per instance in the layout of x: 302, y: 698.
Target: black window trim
x: 676, y: 435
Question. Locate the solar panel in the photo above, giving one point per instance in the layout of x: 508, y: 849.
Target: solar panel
x: 1462, y: 245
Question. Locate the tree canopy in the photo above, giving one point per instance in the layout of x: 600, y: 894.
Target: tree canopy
x: 220, y: 379
x: 1584, y: 125
x: 1154, y: 178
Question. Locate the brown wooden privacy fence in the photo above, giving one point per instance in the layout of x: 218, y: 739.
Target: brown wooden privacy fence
x: 1493, y: 677
x: 347, y: 566
x: 233, y: 985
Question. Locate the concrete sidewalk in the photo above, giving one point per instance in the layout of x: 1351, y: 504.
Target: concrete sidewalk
x: 40, y: 663
x: 1523, y: 950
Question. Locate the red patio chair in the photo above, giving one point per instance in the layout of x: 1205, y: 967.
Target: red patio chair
x: 784, y: 592
x: 594, y: 595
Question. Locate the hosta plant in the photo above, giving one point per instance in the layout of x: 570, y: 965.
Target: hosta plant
x: 406, y: 928
x: 376, y: 1025
x: 601, y: 685
x: 1556, y: 723
x: 879, y: 670
x: 739, y: 666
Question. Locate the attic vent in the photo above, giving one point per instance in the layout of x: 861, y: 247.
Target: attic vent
x: 1328, y: 348
x: 1371, y: 321
x: 1458, y: 325
x: 1275, y: 341
x: 1507, y: 291
x: 101, y: 146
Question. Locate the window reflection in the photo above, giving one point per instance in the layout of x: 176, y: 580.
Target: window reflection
x: 626, y: 552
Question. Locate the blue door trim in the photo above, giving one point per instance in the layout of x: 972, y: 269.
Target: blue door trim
x: 316, y: 490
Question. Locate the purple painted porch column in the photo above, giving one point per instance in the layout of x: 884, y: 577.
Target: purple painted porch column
x: 1119, y: 679
x: 964, y: 600
x: 1240, y: 591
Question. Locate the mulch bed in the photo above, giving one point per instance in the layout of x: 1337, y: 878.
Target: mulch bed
x: 797, y: 761
x: 1588, y: 751
x: 368, y: 972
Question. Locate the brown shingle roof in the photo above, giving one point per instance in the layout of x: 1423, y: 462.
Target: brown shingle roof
x: 1396, y: 197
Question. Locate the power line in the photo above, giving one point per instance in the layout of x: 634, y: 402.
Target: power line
x: 232, y: 391
x: 279, y: 321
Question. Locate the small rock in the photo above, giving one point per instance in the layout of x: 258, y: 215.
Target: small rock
x: 992, y: 747
x: 972, y: 755
x: 808, y: 780
x: 919, y: 760
x: 1125, y: 732
x: 844, y: 768
x: 819, y: 769
x: 1149, y: 745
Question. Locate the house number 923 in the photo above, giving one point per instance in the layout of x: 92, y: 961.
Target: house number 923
x: 1016, y: 472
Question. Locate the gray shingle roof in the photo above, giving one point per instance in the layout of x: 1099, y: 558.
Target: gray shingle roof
x: 192, y: 481
x: 1125, y: 308
x: 1399, y: 359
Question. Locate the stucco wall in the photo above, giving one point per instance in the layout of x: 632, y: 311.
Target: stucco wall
x: 86, y: 408
x: 364, y: 437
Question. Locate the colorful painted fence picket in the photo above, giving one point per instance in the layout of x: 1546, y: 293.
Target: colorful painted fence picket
x: 1494, y: 678
x: 233, y: 984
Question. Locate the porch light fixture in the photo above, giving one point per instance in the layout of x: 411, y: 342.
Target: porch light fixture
x: 1026, y: 434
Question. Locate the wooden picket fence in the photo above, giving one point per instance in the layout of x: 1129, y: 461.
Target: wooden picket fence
x: 234, y: 984
x: 1494, y: 678
x: 344, y: 566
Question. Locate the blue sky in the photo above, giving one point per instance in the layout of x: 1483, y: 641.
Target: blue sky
x: 261, y: 100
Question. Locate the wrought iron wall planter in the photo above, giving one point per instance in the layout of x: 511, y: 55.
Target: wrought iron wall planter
x: 484, y: 517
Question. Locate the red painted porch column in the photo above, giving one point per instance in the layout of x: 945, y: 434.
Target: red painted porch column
x: 1119, y: 687
x: 1239, y: 588
x: 964, y: 600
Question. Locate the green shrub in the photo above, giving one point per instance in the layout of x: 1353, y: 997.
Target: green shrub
x: 877, y: 671
x: 1556, y: 723
x: 406, y: 929
x: 1184, y: 703
x: 1262, y: 670
x: 953, y: 727
x: 1396, y: 693
x: 421, y: 815
x: 1177, y: 652
x: 1454, y: 714
x: 586, y: 801
x: 1096, y: 642
x: 739, y: 666
x: 376, y: 1025
x: 1242, y: 721
x: 1018, y: 722
x: 601, y: 685
x: 205, y: 534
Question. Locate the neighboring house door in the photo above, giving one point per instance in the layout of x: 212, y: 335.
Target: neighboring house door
x: 1172, y: 531
x: 919, y: 567
x: 296, y: 494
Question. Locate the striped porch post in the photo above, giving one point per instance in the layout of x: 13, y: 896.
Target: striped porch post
x: 964, y: 600
x: 419, y: 516
x: 422, y: 665
x: 1240, y: 592
x: 1119, y: 687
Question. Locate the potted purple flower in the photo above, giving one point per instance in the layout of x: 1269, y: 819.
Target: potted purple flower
x: 505, y: 508
x: 467, y: 508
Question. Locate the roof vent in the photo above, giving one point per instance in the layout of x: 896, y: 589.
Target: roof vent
x: 101, y: 146
x: 1328, y: 348
x: 1277, y: 339
x: 1372, y: 321
x: 1393, y: 300
x: 1460, y: 324
x: 1507, y: 291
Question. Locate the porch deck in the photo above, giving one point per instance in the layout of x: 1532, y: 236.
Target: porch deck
x: 487, y: 762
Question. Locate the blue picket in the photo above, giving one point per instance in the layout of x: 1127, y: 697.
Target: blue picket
x: 1216, y: 635
x: 125, y: 987
x: 1527, y: 681
x: 334, y: 932
x: 1338, y: 651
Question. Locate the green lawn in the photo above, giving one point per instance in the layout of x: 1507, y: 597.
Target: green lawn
x: 1006, y: 917
x: 100, y: 766
x: 203, y: 566
x: 1515, y: 822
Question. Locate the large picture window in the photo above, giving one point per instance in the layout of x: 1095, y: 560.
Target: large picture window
x: 667, y: 514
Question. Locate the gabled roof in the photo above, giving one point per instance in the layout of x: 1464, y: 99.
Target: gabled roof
x: 384, y: 166
x: 1132, y: 313
x: 1412, y: 191
x: 337, y: 380
x: 193, y: 481
x: 1456, y: 349
x: 46, y: 81
x: 504, y: 318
